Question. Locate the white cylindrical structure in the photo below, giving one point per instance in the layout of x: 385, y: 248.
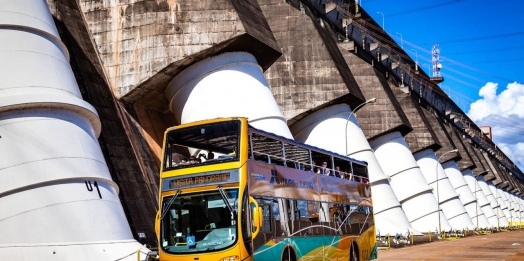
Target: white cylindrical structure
x: 466, y: 196
x: 511, y: 206
x: 326, y: 128
x: 521, y: 207
x: 502, y: 202
x: 518, y: 208
x: 482, y: 200
x: 227, y: 85
x: 445, y: 193
x: 503, y: 219
x: 408, y: 182
x: 52, y: 209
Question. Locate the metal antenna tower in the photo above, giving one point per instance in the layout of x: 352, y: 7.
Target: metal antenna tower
x: 435, y: 60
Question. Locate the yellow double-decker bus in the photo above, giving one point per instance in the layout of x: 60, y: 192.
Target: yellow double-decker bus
x: 231, y: 192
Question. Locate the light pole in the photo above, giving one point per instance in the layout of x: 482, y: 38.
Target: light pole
x: 438, y: 194
x: 372, y: 100
x: 383, y: 28
x: 477, y: 209
x: 416, y: 54
x: 500, y: 207
x: 401, y: 41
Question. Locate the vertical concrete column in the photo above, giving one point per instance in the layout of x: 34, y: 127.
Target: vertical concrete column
x: 466, y: 196
x: 329, y: 128
x: 227, y: 85
x: 449, y: 200
x: 501, y: 207
x: 57, y: 199
x: 409, y: 183
x: 492, y: 202
x: 482, y: 200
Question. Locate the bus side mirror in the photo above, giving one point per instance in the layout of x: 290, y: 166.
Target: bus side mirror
x: 256, y: 217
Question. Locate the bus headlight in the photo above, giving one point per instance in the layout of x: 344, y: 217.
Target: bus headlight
x: 229, y: 258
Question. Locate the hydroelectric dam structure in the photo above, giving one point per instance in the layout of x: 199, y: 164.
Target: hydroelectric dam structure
x: 88, y: 87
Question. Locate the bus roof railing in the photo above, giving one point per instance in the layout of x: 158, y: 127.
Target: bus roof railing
x: 310, y: 147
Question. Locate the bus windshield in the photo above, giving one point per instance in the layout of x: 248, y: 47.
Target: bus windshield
x: 201, y: 145
x: 200, y: 222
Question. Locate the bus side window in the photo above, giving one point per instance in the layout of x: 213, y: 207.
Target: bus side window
x: 275, y: 211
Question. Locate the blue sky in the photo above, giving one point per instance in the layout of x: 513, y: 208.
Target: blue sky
x: 482, y: 51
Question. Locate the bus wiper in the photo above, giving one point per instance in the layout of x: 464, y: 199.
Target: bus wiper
x: 226, y: 199
x: 168, y: 205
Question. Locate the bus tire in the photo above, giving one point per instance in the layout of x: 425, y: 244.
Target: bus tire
x: 289, y: 255
x: 353, y: 253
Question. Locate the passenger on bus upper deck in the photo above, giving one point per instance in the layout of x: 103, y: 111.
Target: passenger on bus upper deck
x: 325, y: 170
x: 313, y: 168
x: 300, y: 166
x: 337, y: 172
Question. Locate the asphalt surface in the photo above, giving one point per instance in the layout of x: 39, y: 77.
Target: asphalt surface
x: 498, y: 246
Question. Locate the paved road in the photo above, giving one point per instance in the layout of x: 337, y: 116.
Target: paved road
x: 499, y: 246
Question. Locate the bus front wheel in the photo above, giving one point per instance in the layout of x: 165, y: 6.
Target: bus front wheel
x: 289, y: 255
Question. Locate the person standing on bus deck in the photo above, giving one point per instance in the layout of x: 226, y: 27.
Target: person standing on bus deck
x: 325, y: 170
x: 313, y: 169
x: 337, y: 172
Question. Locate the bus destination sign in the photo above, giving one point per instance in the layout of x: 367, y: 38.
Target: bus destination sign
x: 200, y: 180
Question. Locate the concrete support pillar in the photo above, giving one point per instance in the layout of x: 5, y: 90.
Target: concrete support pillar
x: 482, y: 200
x: 227, y: 85
x: 466, y: 196
x: 409, y: 183
x: 502, y: 208
x: 326, y: 128
x: 57, y: 199
x: 448, y: 199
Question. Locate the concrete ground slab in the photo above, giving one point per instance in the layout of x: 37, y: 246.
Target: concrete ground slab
x: 499, y: 246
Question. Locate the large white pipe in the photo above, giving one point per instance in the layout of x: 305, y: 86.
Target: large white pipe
x: 521, y: 207
x: 50, y: 156
x: 511, y: 206
x: 227, y: 85
x: 466, y: 196
x: 501, y: 198
x: 482, y: 200
x: 408, y: 182
x: 502, y: 208
x: 518, y: 207
x: 326, y: 128
x: 448, y: 199
x: 501, y: 220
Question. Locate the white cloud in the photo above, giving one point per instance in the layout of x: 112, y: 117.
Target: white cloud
x: 504, y: 112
